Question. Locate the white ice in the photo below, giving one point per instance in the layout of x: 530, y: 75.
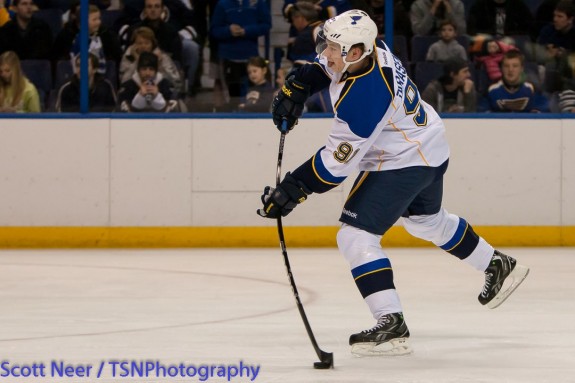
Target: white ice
x: 223, y: 306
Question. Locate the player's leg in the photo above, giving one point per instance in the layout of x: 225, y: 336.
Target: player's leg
x: 375, y: 203
x: 373, y: 275
x: 427, y: 220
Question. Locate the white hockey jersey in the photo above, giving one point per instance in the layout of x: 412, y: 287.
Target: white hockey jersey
x: 380, y: 123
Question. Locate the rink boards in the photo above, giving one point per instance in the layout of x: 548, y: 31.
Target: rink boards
x: 196, y: 182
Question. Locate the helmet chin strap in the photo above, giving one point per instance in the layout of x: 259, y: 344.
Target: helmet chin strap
x: 348, y: 63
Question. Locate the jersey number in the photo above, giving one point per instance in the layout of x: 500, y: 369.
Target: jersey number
x: 343, y: 152
x: 412, y: 104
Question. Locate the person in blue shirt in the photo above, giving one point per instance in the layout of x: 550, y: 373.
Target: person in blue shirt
x: 236, y: 25
x: 512, y: 93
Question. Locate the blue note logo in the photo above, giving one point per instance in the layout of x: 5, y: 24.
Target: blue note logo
x: 355, y: 19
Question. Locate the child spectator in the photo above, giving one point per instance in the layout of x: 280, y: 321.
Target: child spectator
x: 492, y: 53
x: 260, y: 92
x: 144, y: 40
x: 447, y: 47
x: 101, y: 95
x: 103, y: 42
x: 512, y: 93
x: 454, y: 92
x: 17, y: 93
x: 147, y: 90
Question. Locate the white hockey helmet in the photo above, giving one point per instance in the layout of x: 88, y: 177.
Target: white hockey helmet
x: 347, y: 29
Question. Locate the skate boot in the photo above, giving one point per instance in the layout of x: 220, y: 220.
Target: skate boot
x: 388, y: 337
x: 502, y: 277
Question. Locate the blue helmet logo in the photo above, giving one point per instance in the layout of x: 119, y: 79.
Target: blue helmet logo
x: 355, y: 19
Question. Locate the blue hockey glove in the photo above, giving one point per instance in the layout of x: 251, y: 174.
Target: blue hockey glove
x: 284, y: 198
x: 288, y: 104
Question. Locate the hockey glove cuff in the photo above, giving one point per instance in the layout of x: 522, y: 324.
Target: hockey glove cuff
x: 288, y: 104
x: 284, y: 198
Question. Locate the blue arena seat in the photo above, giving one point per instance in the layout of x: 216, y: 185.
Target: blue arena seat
x: 39, y: 72
x: 109, y: 17
x: 53, y: 17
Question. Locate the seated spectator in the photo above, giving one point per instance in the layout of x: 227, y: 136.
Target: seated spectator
x: 566, y: 101
x: 144, y: 40
x: 512, y: 93
x: 544, y: 14
x: 558, y: 40
x: 147, y: 90
x: 173, y: 24
x: 101, y: 95
x: 17, y: 93
x: 490, y: 57
x: 447, y: 47
x: 260, y: 92
x: 426, y: 16
x: 454, y: 91
x: 28, y: 37
x: 236, y: 27
x: 500, y: 18
x: 103, y: 42
x: 304, y: 19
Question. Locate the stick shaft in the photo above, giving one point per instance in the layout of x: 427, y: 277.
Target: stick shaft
x: 322, y: 355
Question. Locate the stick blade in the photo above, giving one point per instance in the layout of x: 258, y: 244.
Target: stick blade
x: 326, y: 361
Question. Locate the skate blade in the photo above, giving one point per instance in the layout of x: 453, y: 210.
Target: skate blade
x: 395, y: 347
x: 517, y: 276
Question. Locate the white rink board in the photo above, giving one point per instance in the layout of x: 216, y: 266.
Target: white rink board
x: 203, y: 172
x: 568, y: 172
x: 54, y: 172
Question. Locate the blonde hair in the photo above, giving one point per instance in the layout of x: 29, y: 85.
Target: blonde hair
x: 18, y: 79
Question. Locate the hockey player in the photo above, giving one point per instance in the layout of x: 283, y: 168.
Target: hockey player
x: 397, y: 141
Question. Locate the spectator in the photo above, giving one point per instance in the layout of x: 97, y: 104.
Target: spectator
x: 512, y: 93
x: 144, y: 40
x: 426, y: 15
x: 490, y: 57
x: 304, y: 18
x: 447, y: 47
x: 101, y: 95
x: 559, y: 36
x: 500, y: 18
x: 544, y: 14
x: 174, y: 24
x: 454, y: 91
x: 17, y: 93
x: 103, y: 42
x: 237, y: 26
x: 261, y: 92
x: 147, y: 90
x: 28, y: 37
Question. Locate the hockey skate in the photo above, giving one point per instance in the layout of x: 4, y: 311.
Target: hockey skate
x: 502, y: 277
x: 388, y: 338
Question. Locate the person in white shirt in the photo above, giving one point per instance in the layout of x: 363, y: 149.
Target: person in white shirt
x: 384, y: 128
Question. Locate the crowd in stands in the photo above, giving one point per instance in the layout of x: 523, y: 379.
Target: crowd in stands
x: 465, y: 56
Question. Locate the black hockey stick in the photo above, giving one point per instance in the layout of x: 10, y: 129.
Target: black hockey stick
x: 326, y: 358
